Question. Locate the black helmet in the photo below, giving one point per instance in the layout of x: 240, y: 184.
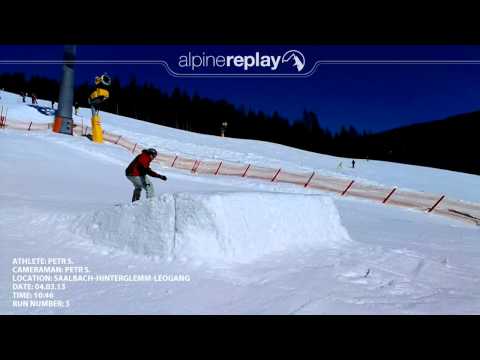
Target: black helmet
x: 152, y: 152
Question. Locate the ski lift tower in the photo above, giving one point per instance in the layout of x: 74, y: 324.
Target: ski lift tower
x: 63, y: 118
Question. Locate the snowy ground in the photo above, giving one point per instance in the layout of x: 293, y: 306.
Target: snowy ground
x: 375, y: 260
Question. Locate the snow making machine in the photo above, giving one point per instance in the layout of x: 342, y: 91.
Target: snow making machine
x: 96, y: 98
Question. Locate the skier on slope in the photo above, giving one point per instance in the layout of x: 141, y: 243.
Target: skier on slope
x: 137, y: 173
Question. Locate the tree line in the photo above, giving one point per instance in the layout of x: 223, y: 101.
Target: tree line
x: 418, y: 144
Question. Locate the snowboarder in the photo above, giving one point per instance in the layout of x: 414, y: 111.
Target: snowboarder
x: 353, y: 164
x: 137, y: 173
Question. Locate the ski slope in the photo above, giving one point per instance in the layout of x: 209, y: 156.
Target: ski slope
x: 247, y: 246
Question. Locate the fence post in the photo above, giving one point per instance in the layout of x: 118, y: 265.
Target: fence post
x: 348, y: 187
x: 245, y: 173
x: 195, y: 166
x: 438, y: 202
x: 308, y: 182
x: 173, y: 163
x: 133, y: 151
x: 29, y: 126
x: 216, y: 172
x: 388, y: 196
x: 119, y: 137
x: 278, y: 172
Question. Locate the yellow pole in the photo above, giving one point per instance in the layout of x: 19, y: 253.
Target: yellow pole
x: 97, y: 132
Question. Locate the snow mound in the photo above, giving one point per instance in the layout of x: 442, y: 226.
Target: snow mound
x: 231, y: 226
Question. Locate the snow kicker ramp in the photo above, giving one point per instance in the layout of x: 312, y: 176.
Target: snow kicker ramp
x: 237, y: 227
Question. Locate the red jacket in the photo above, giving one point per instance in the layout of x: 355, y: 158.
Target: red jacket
x: 140, y: 166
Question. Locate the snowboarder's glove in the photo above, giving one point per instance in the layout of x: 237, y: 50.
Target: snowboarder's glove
x: 163, y: 177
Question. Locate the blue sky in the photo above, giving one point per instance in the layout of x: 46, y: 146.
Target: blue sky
x: 369, y: 97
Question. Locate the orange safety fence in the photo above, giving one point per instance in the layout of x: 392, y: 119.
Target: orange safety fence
x: 426, y: 202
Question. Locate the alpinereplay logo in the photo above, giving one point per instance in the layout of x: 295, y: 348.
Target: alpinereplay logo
x: 293, y: 59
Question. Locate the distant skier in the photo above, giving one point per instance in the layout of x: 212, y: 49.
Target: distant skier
x: 53, y: 104
x: 34, y: 99
x: 76, y: 107
x: 353, y: 164
x: 137, y: 173
x: 24, y: 95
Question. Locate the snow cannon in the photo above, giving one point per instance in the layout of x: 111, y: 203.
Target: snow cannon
x: 96, y: 98
x: 104, y: 80
x: 97, y: 131
x: 101, y: 93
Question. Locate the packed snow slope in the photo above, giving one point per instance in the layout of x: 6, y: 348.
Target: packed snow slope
x: 248, y: 247
x: 199, y: 146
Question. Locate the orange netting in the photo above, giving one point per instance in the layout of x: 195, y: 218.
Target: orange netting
x: 425, y: 202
